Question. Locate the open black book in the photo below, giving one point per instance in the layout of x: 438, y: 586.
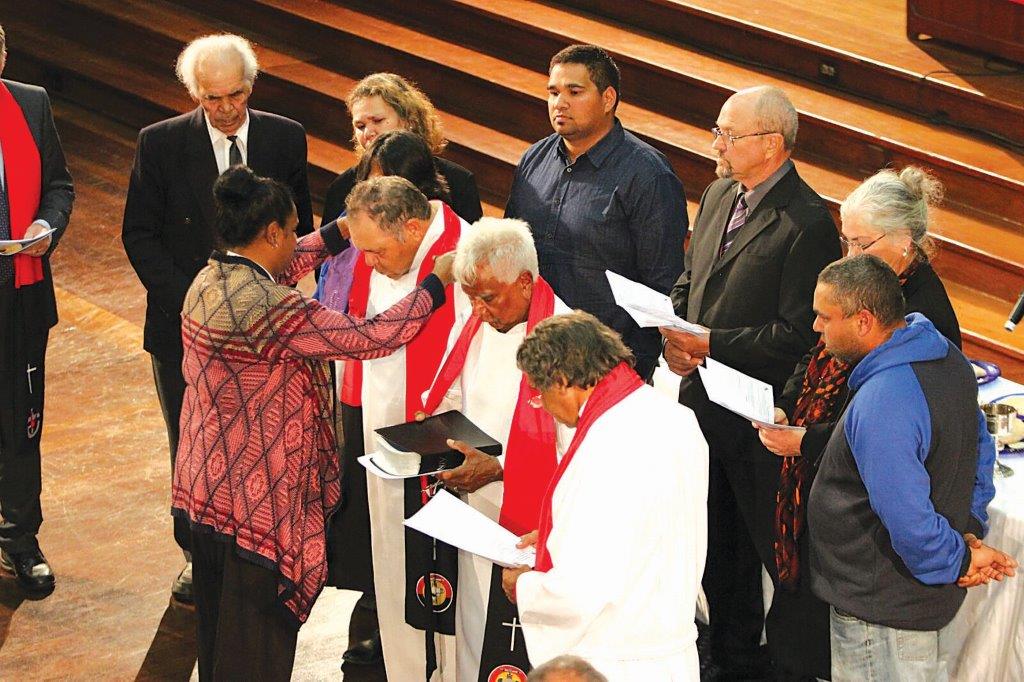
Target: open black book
x: 422, y: 447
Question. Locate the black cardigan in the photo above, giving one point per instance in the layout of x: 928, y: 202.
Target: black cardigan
x: 924, y: 294
x: 461, y: 183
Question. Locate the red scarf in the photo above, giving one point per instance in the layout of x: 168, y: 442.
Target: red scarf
x: 23, y: 177
x: 615, y: 386
x: 530, y: 462
x: 424, y: 353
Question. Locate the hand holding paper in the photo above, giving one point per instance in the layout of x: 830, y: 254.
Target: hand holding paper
x: 647, y: 307
x: 739, y: 393
x: 451, y: 520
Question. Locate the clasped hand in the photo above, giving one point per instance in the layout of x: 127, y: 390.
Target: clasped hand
x: 987, y: 563
x: 683, y: 352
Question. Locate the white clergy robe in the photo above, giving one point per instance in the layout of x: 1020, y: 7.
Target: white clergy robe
x: 383, y: 403
x: 627, y: 544
x: 486, y: 392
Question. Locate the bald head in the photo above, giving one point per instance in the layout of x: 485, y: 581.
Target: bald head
x: 770, y: 110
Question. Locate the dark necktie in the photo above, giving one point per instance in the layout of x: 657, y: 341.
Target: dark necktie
x: 234, y: 153
x: 736, y: 222
x: 6, y: 262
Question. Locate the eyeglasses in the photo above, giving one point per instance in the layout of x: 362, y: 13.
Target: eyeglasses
x: 854, y: 244
x: 718, y: 132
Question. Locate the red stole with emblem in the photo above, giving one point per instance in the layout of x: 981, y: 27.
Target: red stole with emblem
x: 618, y: 384
x: 531, y: 459
x: 23, y: 179
x: 424, y: 352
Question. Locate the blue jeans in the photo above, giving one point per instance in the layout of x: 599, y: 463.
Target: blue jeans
x: 865, y: 652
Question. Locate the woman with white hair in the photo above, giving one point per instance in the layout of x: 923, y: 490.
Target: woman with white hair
x: 887, y: 216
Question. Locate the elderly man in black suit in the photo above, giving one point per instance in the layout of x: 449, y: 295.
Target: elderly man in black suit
x: 36, y: 195
x: 759, y: 241
x: 169, y: 213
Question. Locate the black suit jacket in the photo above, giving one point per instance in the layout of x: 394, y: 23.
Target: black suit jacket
x: 58, y: 192
x: 169, y: 212
x: 757, y: 297
x: 465, y: 197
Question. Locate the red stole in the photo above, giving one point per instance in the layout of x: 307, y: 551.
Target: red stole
x: 23, y: 178
x: 530, y: 462
x: 618, y: 384
x: 423, y: 353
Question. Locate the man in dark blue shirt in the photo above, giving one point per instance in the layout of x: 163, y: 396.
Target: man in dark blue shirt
x: 598, y: 198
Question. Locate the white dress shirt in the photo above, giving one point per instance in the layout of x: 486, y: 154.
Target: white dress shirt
x: 222, y: 145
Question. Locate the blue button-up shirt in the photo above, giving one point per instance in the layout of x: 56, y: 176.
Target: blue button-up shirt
x: 617, y: 207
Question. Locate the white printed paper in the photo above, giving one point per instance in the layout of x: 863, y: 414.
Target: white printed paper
x: 9, y: 247
x: 739, y: 393
x: 647, y: 307
x: 451, y: 520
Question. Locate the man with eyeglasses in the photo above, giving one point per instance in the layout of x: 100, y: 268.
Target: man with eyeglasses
x: 760, y: 239
x: 169, y: 211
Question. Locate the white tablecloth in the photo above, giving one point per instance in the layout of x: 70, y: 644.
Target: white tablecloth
x: 985, y: 642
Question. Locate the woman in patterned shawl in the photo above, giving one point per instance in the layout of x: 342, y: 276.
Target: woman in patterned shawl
x: 257, y: 474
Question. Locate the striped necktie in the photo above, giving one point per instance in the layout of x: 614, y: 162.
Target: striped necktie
x: 736, y: 222
x: 234, y: 153
x: 6, y: 262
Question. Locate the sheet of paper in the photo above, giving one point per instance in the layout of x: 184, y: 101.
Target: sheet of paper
x: 451, y: 520
x: 647, y: 307
x: 739, y: 393
x: 9, y: 247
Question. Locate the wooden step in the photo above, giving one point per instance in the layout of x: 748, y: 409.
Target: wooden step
x: 850, y: 133
x: 510, y: 97
x: 863, y: 46
x: 88, y: 70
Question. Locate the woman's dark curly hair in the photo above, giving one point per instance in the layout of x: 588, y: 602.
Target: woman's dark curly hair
x: 246, y: 203
x: 406, y: 155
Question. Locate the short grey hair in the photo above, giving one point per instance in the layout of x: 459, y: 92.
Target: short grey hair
x: 574, y: 349
x: 774, y: 113
x: 865, y: 282
x: 390, y: 201
x: 219, y: 49
x: 894, y: 202
x: 505, y: 244
x: 571, y: 664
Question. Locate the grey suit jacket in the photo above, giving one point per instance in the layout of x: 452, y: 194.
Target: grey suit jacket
x: 57, y: 193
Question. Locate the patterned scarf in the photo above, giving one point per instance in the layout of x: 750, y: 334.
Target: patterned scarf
x: 816, y: 404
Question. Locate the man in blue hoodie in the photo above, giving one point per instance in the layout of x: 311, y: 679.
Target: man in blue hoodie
x: 898, y: 482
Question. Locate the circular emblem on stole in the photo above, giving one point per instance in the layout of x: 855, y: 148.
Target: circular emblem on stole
x: 34, y: 421
x: 441, y: 592
x: 506, y: 673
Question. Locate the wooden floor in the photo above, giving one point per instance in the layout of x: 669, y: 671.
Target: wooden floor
x: 107, y: 531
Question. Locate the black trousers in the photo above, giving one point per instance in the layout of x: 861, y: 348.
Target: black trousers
x: 170, y: 390
x: 23, y: 337
x: 741, y: 494
x: 243, y: 631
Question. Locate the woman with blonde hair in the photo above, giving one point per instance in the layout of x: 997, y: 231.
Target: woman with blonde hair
x: 381, y: 103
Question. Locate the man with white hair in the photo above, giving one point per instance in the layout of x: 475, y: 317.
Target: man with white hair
x: 761, y: 237
x: 169, y: 212
x: 496, y: 266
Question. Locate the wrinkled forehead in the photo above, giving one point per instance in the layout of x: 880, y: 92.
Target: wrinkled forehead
x: 222, y: 76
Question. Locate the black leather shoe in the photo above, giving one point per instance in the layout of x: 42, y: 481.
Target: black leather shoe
x: 32, y: 570
x: 366, y: 652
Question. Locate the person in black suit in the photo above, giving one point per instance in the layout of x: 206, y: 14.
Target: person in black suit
x: 760, y: 239
x: 36, y: 195
x: 169, y: 212
x: 381, y: 103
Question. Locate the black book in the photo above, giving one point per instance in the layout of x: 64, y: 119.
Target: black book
x: 422, y: 447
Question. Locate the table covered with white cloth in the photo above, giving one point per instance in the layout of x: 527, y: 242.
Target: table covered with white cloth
x: 985, y: 642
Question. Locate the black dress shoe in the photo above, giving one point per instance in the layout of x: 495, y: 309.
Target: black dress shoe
x: 366, y: 652
x: 31, y: 568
